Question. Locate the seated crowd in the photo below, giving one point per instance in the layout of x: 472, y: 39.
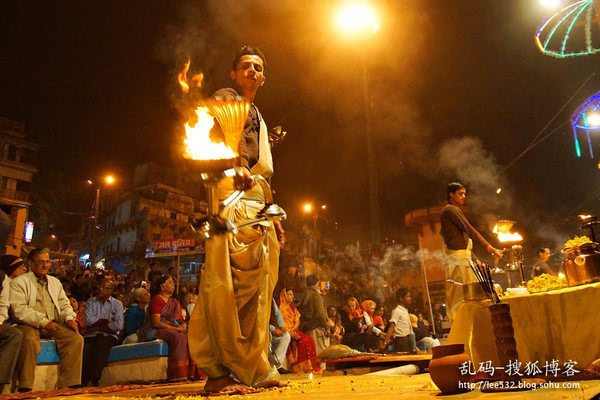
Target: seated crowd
x: 86, y: 317
x: 299, y: 334
x: 89, y: 312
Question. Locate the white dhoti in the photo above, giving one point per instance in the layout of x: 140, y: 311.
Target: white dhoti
x: 459, y: 270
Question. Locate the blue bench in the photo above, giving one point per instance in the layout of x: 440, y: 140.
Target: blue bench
x: 145, y: 361
x: 156, y: 348
x: 49, y: 353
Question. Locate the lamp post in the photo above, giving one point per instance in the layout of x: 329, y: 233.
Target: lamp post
x: 109, y: 180
x: 313, y: 212
x: 356, y: 19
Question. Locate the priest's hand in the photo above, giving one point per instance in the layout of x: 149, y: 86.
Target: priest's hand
x: 247, y: 180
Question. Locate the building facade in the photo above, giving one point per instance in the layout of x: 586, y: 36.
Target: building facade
x: 18, y: 160
x: 159, y: 207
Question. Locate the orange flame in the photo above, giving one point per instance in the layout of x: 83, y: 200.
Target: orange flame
x: 197, y: 141
x: 183, y: 81
x: 505, y: 236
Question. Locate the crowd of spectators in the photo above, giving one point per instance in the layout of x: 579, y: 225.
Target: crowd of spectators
x: 88, y: 311
x: 310, y: 326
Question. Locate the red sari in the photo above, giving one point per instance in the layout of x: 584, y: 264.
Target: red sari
x: 302, y: 349
x: 179, y: 357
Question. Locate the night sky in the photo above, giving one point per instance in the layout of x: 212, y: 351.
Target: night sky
x: 457, y: 91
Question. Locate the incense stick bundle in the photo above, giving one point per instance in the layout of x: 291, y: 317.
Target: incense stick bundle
x: 484, y: 277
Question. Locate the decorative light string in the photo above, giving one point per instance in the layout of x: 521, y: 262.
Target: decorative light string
x: 565, y: 20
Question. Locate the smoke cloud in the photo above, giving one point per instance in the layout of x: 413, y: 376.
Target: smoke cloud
x: 467, y: 161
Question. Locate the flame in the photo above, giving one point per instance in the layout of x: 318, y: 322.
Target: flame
x: 561, y: 275
x: 198, y: 143
x: 183, y: 81
x: 504, y: 235
x: 310, y: 376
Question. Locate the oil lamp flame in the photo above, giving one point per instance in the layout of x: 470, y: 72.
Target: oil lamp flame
x: 230, y: 114
x: 198, y: 143
x: 183, y: 81
x: 502, y: 229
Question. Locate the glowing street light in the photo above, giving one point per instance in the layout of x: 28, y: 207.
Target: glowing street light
x: 109, y: 180
x: 359, y: 19
x: 307, y: 207
x: 550, y: 3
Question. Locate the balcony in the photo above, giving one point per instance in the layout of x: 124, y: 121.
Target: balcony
x: 15, y: 195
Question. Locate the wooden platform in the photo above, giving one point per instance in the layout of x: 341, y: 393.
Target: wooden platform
x: 360, y: 367
x: 415, y: 387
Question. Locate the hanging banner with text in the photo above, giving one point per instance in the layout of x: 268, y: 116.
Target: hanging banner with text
x: 172, y: 247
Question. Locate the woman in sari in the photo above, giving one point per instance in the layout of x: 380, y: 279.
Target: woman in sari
x: 164, y: 321
x: 302, y: 349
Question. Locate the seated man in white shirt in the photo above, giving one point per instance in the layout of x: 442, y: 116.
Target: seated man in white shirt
x: 42, y: 310
x: 400, y: 331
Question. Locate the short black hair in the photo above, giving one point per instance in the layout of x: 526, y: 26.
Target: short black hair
x: 453, y: 187
x: 400, y: 293
x: 155, y: 287
x: 542, y: 249
x: 245, y: 51
x: 311, y: 280
x: 35, y: 252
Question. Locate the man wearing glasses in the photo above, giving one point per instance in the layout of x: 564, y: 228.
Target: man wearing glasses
x: 103, y: 321
x: 42, y: 310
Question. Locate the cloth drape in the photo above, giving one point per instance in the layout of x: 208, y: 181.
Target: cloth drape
x: 556, y: 325
x: 229, y: 328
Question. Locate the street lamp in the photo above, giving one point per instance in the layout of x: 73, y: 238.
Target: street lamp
x: 359, y: 19
x: 58, y: 243
x: 109, y: 180
x: 307, y: 207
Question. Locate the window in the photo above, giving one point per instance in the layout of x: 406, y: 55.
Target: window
x: 28, y: 156
x: 11, y: 153
x: 9, y: 183
x: 173, y: 215
x: 23, y: 186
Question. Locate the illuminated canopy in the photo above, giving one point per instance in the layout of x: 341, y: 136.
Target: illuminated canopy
x: 570, y: 32
x: 586, y: 118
